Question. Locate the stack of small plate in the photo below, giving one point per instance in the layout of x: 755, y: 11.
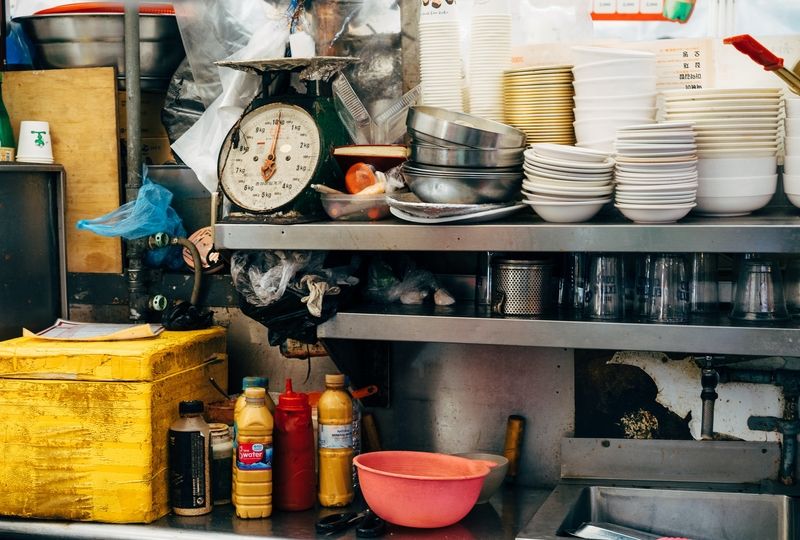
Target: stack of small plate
x: 656, y: 172
x: 731, y: 125
x: 565, y: 184
x: 489, y: 57
x: 728, y: 122
x: 538, y: 101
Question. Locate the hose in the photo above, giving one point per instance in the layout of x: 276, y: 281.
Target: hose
x: 198, y: 266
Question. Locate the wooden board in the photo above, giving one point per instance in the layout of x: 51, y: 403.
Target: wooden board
x: 81, y: 106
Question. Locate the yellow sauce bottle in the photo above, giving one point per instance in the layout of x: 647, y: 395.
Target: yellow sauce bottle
x: 335, y: 416
x: 252, y: 461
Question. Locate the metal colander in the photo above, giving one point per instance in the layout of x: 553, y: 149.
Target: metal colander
x: 522, y: 287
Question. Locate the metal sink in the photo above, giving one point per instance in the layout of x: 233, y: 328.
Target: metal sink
x: 699, y: 515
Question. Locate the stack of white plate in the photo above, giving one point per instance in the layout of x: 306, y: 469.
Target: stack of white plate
x: 441, y: 72
x: 613, y: 88
x: 489, y: 57
x: 565, y: 184
x: 538, y: 101
x: 656, y: 172
x: 736, y: 125
x: 791, y: 163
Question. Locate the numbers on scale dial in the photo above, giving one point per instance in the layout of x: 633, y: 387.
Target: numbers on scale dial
x: 277, y: 154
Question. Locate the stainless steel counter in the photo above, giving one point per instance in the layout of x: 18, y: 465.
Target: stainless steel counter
x: 508, y: 511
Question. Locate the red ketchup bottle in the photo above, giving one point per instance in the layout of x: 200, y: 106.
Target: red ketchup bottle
x: 293, y: 474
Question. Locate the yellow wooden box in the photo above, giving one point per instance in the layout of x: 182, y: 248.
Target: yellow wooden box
x: 83, y: 426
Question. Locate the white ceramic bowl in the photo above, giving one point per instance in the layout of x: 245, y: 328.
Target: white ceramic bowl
x: 737, y: 186
x: 496, y: 475
x: 791, y: 183
x: 791, y: 164
x: 664, y: 213
x: 585, y: 113
x: 634, y: 101
x: 567, y: 212
x: 792, y: 126
x: 725, y: 167
x: 792, y: 145
x: 792, y: 107
x: 794, y: 198
x: 625, y: 67
x: 612, y: 86
x: 602, y: 129
x: 733, y: 205
x: 605, y: 145
x: 588, y: 55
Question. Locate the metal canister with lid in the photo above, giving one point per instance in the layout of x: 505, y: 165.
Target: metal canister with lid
x: 522, y: 286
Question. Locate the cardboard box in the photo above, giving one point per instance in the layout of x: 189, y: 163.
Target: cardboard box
x: 85, y: 425
x: 152, y: 103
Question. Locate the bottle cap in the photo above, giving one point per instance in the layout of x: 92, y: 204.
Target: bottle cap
x: 291, y: 399
x: 249, y: 382
x: 190, y: 407
x: 334, y: 379
x: 255, y: 392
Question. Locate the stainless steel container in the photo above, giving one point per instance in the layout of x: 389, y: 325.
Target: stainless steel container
x: 96, y: 39
x: 522, y: 286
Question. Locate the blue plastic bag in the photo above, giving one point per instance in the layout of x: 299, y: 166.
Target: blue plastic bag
x: 150, y: 213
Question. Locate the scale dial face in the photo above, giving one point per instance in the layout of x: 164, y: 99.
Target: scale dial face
x: 276, y: 156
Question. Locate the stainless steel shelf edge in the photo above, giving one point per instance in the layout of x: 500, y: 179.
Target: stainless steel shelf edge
x: 765, y: 234
x: 442, y: 328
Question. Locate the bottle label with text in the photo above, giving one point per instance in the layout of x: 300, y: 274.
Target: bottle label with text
x: 336, y: 436
x: 253, y: 456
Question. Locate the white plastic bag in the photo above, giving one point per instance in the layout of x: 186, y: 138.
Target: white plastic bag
x: 199, y: 146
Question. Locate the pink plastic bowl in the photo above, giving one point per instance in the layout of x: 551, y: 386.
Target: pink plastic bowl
x: 420, y: 489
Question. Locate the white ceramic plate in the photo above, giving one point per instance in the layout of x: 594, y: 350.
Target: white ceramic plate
x: 659, y: 188
x: 569, y: 153
x: 477, y: 217
x: 536, y: 160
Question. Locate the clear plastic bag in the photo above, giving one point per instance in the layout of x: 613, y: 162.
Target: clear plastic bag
x: 199, y: 146
x: 262, y: 277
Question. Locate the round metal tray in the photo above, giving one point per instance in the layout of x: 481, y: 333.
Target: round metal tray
x: 463, y: 129
x: 466, y: 157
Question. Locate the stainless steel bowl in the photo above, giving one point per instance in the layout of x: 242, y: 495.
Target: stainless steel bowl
x: 457, y: 190
x: 97, y: 39
x: 466, y: 157
x: 462, y: 129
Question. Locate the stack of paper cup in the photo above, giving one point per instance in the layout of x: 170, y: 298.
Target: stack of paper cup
x: 34, y: 142
x: 441, y: 72
x: 489, y: 57
x: 791, y: 164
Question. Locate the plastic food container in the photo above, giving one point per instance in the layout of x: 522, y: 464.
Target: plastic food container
x: 355, y: 207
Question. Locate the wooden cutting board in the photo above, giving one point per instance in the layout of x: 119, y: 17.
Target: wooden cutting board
x: 80, y: 105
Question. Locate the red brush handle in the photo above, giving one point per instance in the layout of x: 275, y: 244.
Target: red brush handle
x: 755, y: 50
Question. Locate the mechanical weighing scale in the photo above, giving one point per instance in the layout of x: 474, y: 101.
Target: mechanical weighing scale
x: 282, y: 143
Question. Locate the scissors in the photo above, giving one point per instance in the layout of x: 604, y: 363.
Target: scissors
x: 368, y: 525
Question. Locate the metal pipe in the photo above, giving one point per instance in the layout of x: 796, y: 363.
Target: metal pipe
x: 709, y: 380
x: 137, y: 293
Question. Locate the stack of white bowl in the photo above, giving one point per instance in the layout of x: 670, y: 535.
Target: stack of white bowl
x: 738, y: 136
x: 565, y: 184
x: 489, y: 57
x: 791, y: 164
x: 441, y: 72
x: 538, y: 101
x: 613, y: 88
x: 656, y: 172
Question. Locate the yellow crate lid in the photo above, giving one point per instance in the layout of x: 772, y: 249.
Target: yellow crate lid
x: 134, y: 360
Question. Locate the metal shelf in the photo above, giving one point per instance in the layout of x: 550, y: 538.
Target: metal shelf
x: 765, y: 233
x: 464, y: 324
